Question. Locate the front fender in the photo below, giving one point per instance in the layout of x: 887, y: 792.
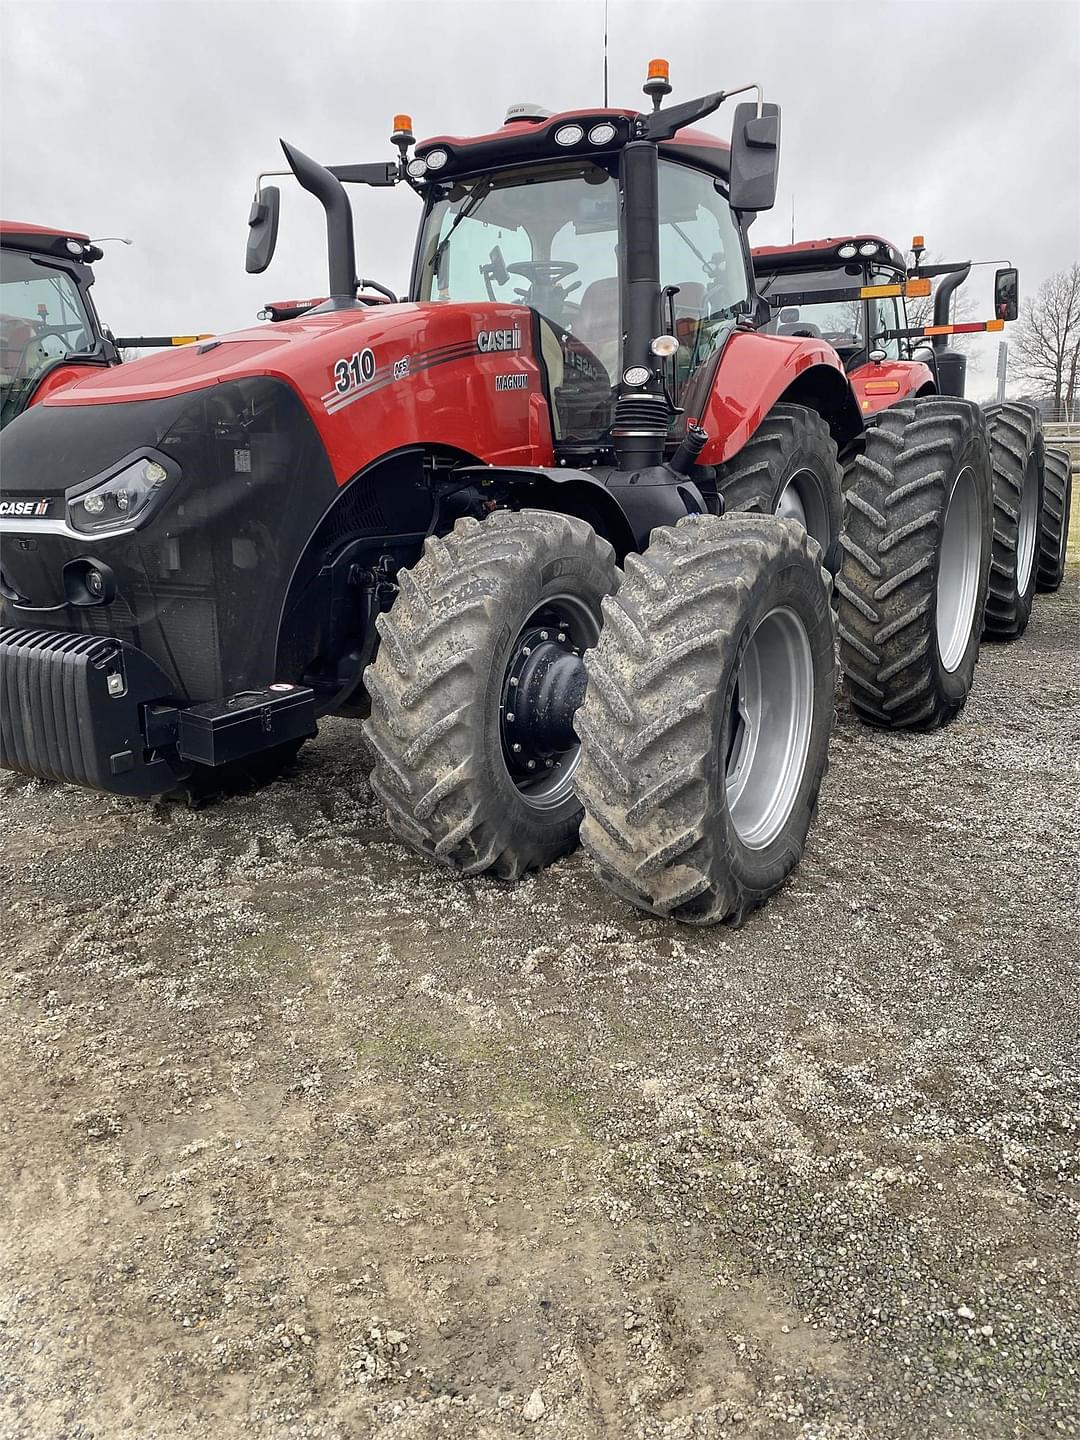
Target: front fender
x: 878, y: 385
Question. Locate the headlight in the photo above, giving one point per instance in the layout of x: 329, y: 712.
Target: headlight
x: 569, y: 134
x: 869, y: 247
x: 124, y: 499
x: 848, y: 251
x: 436, y: 159
x: 602, y: 134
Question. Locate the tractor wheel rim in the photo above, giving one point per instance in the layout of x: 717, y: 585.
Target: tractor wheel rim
x: 544, y: 668
x: 802, y: 500
x: 771, y: 719
x: 1028, y: 530
x: 958, y: 570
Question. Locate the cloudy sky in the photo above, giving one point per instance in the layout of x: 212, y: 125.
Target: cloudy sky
x: 151, y: 118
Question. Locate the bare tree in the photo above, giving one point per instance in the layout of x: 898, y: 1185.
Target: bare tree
x: 1047, y: 340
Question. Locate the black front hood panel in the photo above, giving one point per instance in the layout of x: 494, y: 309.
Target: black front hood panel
x: 200, y: 585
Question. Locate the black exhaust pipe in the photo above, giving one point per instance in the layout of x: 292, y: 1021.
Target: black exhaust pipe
x: 943, y: 302
x: 328, y: 189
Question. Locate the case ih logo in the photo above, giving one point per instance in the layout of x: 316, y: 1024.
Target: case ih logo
x: 489, y: 340
x: 23, y: 509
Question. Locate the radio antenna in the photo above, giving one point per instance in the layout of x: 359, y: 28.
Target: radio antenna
x: 605, y: 55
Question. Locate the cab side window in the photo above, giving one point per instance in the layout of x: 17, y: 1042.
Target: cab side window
x: 701, y: 253
x: 885, y: 315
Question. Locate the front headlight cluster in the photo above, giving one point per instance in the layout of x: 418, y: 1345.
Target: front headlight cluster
x: 123, y: 499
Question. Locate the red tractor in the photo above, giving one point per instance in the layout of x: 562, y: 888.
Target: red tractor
x: 50, y: 333
x: 851, y: 290
x: 416, y: 511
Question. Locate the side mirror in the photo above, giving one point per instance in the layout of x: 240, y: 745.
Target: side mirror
x: 262, y: 229
x: 755, y: 157
x: 1007, y: 294
x: 499, y: 272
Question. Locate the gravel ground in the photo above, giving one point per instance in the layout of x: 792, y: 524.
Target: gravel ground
x: 300, y: 1137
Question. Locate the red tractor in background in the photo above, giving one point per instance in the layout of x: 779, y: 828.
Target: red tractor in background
x: 851, y: 291
x: 416, y: 511
x: 50, y: 334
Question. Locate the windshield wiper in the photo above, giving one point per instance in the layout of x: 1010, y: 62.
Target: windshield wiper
x: 478, y: 196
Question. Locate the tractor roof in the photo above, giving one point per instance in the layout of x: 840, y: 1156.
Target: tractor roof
x: 17, y: 235
x: 824, y: 254
x: 531, y: 136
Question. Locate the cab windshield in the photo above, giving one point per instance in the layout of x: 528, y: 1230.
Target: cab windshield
x: 545, y: 237
x: 42, y: 319
x: 840, y: 322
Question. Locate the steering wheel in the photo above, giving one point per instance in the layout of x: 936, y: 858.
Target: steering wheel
x: 551, y: 271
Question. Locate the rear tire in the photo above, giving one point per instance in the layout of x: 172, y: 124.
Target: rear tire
x: 916, y: 546
x: 1016, y: 457
x: 1054, y: 531
x: 789, y: 467
x: 705, y: 727
x: 454, y: 643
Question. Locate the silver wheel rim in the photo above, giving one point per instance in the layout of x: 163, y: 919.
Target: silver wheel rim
x: 801, y: 500
x: 1028, y: 529
x: 550, y: 788
x: 958, y: 570
x: 771, y: 718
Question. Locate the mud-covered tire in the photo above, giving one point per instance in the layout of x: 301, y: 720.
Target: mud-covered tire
x: 439, y: 678
x: 1054, y: 530
x: 790, y: 464
x: 912, y: 583
x: 1016, y: 459
x: 658, y: 726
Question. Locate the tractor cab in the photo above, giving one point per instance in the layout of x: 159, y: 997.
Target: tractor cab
x: 851, y: 291
x: 545, y: 225
x: 49, y: 328
x: 810, y: 290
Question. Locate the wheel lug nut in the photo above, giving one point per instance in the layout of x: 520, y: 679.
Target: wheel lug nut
x: 516, y: 749
x: 510, y: 718
x: 549, y: 763
x: 543, y: 634
x: 526, y: 650
x: 513, y: 679
x: 561, y: 638
x: 532, y: 764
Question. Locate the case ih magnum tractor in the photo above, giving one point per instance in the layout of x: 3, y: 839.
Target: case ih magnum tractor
x: 851, y: 291
x: 50, y: 333
x: 417, y: 509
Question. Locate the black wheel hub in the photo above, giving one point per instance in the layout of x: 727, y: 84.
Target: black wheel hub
x: 545, y: 684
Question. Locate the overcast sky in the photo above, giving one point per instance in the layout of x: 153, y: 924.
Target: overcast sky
x: 151, y: 118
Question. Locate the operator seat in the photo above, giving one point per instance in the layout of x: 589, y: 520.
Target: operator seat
x: 800, y: 327
x: 596, y: 324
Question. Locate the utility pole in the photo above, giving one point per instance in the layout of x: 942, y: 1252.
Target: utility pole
x: 1002, y: 368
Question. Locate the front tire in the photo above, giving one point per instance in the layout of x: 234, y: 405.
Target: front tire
x: 912, y: 585
x: 705, y: 727
x: 474, y: 686
x: 1054, y: 531
x: 1016, y: 457
x: 789, y: 468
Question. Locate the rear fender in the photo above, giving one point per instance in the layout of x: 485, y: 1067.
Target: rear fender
x: 732, y: 394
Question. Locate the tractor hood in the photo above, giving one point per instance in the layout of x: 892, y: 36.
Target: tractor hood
x: 286, y: 349
x: 361, y: 374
